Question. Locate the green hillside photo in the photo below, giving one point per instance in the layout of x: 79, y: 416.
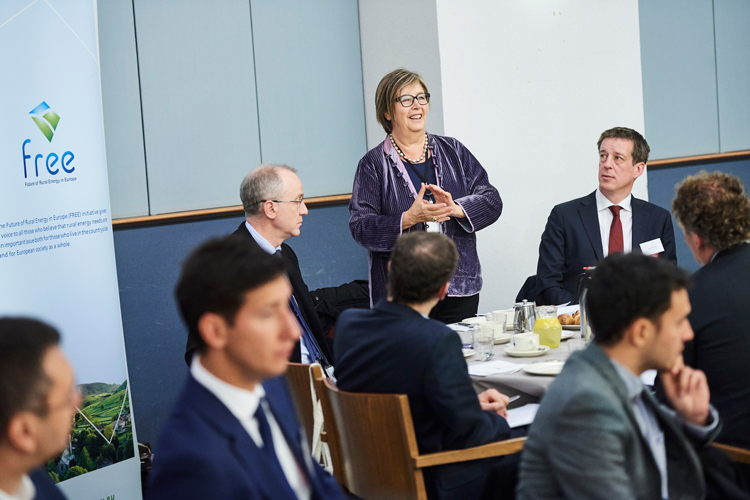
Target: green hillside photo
x: 102, y: 432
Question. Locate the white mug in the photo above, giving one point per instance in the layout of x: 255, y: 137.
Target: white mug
x: 525, y: 341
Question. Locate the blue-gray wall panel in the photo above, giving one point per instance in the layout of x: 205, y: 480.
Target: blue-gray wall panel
x: 679, y: 77
x: 733, y: 69
x: 199, y: 103
x: 121, y: 102
x: 661, y: 191
x: 309, y: 77
x: 148, y: 265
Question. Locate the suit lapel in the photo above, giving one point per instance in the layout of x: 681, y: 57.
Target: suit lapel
x: 252, y: 460
x: 640, y: 222
x: 590, y: 220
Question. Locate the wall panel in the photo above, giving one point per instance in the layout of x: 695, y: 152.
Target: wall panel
x: 733, y: 69
x: 121, y: 102
x: 199, y: 103
x: 309, y: 77
x: 679, y: 77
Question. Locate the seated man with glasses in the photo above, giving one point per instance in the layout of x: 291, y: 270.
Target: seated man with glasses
x: 272, y: 196
x: 38, y: 400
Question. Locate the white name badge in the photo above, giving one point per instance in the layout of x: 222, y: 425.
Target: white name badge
x: 652, y: 247
x: 433, y: 227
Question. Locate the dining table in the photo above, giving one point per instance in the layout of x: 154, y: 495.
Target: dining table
x: 530, y: 388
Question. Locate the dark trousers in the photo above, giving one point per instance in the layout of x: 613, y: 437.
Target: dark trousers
x: 454, y: 309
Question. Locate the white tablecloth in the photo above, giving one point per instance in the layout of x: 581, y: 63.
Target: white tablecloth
x: 531, y: 387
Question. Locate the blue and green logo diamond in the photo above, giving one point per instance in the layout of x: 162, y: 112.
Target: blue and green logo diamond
x: 45, y: 119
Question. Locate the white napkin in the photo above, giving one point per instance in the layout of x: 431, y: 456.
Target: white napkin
x: 492, y: 368
x: 522, y: 416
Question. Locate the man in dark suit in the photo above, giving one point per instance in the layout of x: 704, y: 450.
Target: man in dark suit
x: 233, y: 431
x: 714, y: 213
x: 38, y: 400
x: 583, y: 231
x: 272, y: 197
x: 599, y: 432
x: 395, y: 348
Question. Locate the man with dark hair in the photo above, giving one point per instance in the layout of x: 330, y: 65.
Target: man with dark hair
x: 599, y: 432
x: 714, y: 213
x: 396, y: 349
x: 38, y: 400
x: 233, y: 431
x: 272, y: 197
x: 609, y: 220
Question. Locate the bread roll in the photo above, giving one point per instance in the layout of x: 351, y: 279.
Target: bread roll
x: 565, y: 319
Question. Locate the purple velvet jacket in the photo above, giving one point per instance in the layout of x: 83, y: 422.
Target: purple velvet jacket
x: 383, y: 191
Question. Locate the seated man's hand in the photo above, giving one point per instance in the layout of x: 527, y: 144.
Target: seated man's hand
x: 492, y: 400
x: 687, y: 390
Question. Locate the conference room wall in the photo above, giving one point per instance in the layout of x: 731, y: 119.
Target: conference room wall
x: 214, y: 88
x: 528, y: 87
x: 148, y: 265
x: 696, y: 76
x: 661, y: 191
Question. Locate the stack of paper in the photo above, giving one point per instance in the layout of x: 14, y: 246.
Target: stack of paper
x: 493, y: 368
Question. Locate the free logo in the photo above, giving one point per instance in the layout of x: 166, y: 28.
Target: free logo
x: 45, y: 119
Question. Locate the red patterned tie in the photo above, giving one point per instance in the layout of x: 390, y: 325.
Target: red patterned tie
x: 615, y: 232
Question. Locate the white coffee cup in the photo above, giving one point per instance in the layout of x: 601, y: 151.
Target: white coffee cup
x: 500, y: 315
x: 525, y: 341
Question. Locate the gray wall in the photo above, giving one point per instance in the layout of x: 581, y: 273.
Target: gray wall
x: 696, y: 76
x: 391, y: 40
x: 197, y: 93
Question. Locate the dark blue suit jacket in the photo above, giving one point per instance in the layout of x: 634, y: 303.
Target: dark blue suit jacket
x: 45, y: 488
x: 395, y: 350
x: 204, y: 452
x: 572, y: 241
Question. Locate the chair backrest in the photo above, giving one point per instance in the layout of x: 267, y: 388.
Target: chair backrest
x: 298, y: 378
x: 378, y: 444
x: 329, y: 426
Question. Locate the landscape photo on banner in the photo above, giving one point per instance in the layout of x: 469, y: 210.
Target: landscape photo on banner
x: 57, y: 260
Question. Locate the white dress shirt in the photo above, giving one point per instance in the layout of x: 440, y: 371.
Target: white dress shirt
x: 26, y: 491
x: 606, y: 217
x: 243, y: 405
x: 265, y: 245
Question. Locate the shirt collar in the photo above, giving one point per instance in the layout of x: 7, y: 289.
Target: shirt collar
x: 602, y: 203
x: 260, y: 240
x: 241, y: 402
x: 633, y: 383
x: 26, y: 491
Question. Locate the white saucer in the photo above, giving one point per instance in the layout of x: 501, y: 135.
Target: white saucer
x: 566, y: 336
x: 540, y: 351
x: 571, y: 327
x: 473, y: 321
x: 467, y: 352
x: 548, y: 368
x: 502, y: 339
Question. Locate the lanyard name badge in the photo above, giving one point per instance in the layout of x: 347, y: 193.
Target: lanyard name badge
x: 431, y: 227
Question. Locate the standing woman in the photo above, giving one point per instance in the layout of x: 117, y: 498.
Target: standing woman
x: 415, y: 181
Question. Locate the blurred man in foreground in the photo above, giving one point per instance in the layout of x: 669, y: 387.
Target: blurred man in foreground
x: 38, y: 400
x: 600, y: 433
x: 233, y: 432
x: 714, y: 213
x: 396, y: 349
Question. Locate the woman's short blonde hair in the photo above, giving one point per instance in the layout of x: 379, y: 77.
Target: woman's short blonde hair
x: 387, y: 92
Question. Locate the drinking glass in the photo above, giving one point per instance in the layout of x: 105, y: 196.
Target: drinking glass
x: 484, y: 341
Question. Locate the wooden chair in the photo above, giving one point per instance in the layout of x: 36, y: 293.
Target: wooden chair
x: 378, y: 447
x: 330, y: 434
x: 736, y: 454
x: 298, y: 378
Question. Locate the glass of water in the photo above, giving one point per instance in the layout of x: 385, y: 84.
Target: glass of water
x: 484, y: 341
